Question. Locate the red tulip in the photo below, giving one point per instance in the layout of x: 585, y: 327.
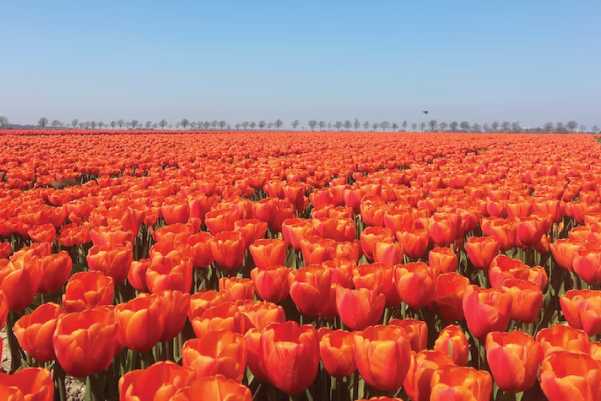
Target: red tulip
x: 486, y: 310
x: 452, y: 342
x: 359, y: 308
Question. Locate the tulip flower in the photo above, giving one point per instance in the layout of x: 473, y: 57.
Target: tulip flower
x: 204, y: 300
x: 86, y: 342
x: 220, y: 220
x: 486, y: 310
x: 582, y: 309
x: 215, y: 353
x: 443, y: 228
x: 563, y: 338
x: 423, y: 365
x: 19, y: 280
x: 238, y: 288
x: 316, y: 250
x: 170, y: 272
x: 217, y: 388
x: 87, y: 290
x: 160, y: 381
x: 30, y: 384
x: 587, y: 264
x: 310, y: 288
x: 56, y: 270
x: 268, y: 252
x: 383, y: 356
x: 271, y: 283
x: 388, y: 252
x: 415, y: 284
x: 295, y: 230
x: 42, y: 233
x: 137, y: 274
x: 294, y: 347
x: 200, y: 246
x: 514, y: 359
x: 228, y: 249
x: 565, y: 250
x: 570, y: 376
x: 481, y: 251
x: 414, y: 241
x: 452, y: 341
x: 415, y: 330
x: 359, y: 308
x: 175, y: 311
x: 527, y: 299
x: 140, y: 322
x: 377, y: 277
x: 261, y: 314
x: 448, y: 296
x: 35, y: 331
x: 455, y: 383
x: 336, y: 352
x: 442, y: 260
x: 370, y: 236
x: 503, y: 231
x: 112, y: 260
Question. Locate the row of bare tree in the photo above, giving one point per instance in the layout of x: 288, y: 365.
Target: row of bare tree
x: 431, y: 126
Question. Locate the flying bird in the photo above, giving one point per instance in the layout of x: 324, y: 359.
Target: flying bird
x: 425, y: 111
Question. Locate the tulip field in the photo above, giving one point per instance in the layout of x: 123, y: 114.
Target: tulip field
x: 156, y: 266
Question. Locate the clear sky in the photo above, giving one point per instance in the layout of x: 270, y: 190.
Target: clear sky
x: 477, y: 60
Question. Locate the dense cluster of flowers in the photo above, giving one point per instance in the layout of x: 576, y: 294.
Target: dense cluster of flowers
x: 241, y: 266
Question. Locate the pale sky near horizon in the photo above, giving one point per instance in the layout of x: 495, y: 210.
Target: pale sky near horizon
x: 475, y: 60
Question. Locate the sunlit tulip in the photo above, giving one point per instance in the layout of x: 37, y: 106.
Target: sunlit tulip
x: 455, y: 383
x: 160, y: 381
x: 377, y: 277
x: 217, y: 388
x: 113, y: 260
x: 19, y: 280
x: 563, y: 338
x: 140, y: 322
x: 565, y: 250
x: 268, y: 252
x: 486, y: 310
x: 414, y: 241
x: 481, y: 251
x: 238, y: 288
x: 448, y: 296
x: 29, y: 384
x: 88, y: 290
x: 215, y: 353
x: 310, y: 288
x: 452, y: 342
x: 527, y: 299
x: 423, y: 365
x: 359, y: 308
x: 415, y: 284
x: 582, y: 310
x: 415, y: 330
x: 271, y: 283
x: 35, y: 331
x: 336, y: 352
x: 569, y: 376
x: 442, y: 260
x: 228, y: 249
x: 56, y: 269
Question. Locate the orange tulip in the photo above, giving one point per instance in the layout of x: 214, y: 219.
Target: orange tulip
x: 448, y: 296
x: 527, y: 299
x: 158, y: 382
x: 137, y: 274
x: 414, y: 241
x: 486, y: 310
x: 563, y: 338
x: 261, y: 314
x: 359, y: 308
x: 582, y: 309
x: 310, y: 288
x: 176, y: 309
x: 34, y: 332
x: 452, y: 342
x: 565, y: 250
x: 289, y: 356
x: 43, y: 233
x: 222, y: 352
x: 271, y: 283
x: 113, y: 260
x: 444, y: 228
x: 442, y: 260
x: 56, y: 270
x: 455, y: 383
x: 317, y: 250
x: 416, y: 332
x: 170, y: 272
x: 481, y: 251
x: 87, y: 290
x: 228, y: 249
x: 587, y: 263
x: 268, y: 252
x: 569, y: 376
x: 513, y: 359
x: 336, y: 352
x: 5, y: 250
x: 370, y: 236
x: 383, y: 356
x: 503, y: 231
x: 225, y: 316
x: 388, y: 252
x: 204, y: 300
x: 200, y: 246
x: 377, y: 277
x: 415, y: 284
x: 238, y: 288
x: 220, y: 220
x: 86, y: 342
x: 253, y: 343
x: 214, y: 388
x: 19, y: 280
x: 3, y: 309
x: 30, y: 384
x: 140, y: 322
x: 423, y: 365
x: 295, y: 230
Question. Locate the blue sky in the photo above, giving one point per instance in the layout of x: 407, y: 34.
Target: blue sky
x: 484, y: 60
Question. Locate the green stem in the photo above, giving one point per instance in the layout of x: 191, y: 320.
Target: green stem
x: 13, y: 344
x: 60, y: 392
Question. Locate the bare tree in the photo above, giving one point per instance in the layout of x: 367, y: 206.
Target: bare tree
x: 374, y: 126
x: 404, y: 125
x: 505, y: 126
x: 100, y: 124
x: 395, y: 126
x: 237, y: 126
x: 515, y: 126
x: 414, y: 127
x: 548, y: 127
x: 295, y: 124
x: 443, y: 126
x: 93, y: 124
x: 432, y: 124
x: 82, y: 125
x: 348, y: 125
x: 559, y: 127
x: 113, y: 124
x: 262, y: 124
x: 453, y: 126
x: 43, y: 122
x: 485, y: 128
x: 163, y: 123
x: 595, y: 129
x: 120, y: 123
x: 245, y: 124
x: 476, y: 127
x: 132, y: 123
x: 184, y: 123
x: 572, y: 125
x: 495, y: 126
x: 465, y: 126
x: 154, y: 125
x: 222, y: 124
x: 366, y: 125
x: 148, y: 124
x: 269, y: 125
x: 278, y: 124
x: 329, y: 126
x: 55, y: 123
x: 356, y: 124
x: 3, y: 121
x: 205, y: 125
x: 384, y: 125
x: 312, y: 124
x: 252, y: 125
x: 582, y: 128
x: 338, y: 125
x: 74, y: 123
x: 422, y: 126
x: 322, y: 125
